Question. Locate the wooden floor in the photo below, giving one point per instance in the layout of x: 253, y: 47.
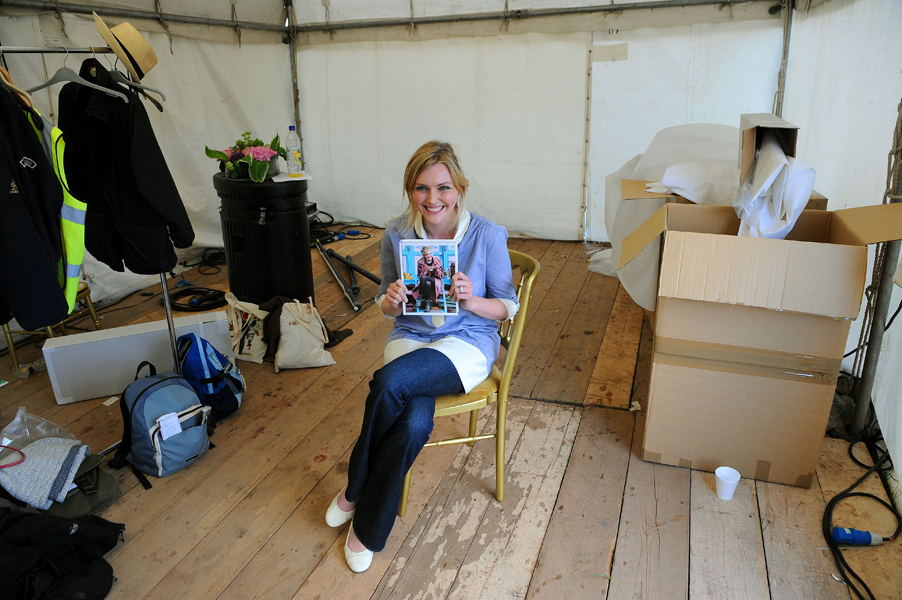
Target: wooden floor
x: 583, y: 517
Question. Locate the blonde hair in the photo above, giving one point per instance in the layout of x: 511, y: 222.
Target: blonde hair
x: 433, y: 153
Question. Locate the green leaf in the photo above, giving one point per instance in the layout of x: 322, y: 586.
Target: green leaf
x: 216, y: 153
x: 274, y: 144
x: 247, y: 158
x: 258, y: 170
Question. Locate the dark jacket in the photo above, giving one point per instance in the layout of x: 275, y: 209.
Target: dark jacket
x: 114, y: 163
x: 30, y: 202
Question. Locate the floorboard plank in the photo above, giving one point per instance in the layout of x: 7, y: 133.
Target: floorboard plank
x: 611, y: 383
x: 547, y: 320
x: 651, y: 561
x: 574, y: 356
x: 726, y: 557
x: 573, y: 563
x: 797, y: 568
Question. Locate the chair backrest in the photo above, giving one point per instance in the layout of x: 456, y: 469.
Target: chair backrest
x: 511, y: 332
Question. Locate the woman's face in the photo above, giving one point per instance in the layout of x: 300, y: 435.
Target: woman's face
x: 434, y: 195
x: 427, y: 253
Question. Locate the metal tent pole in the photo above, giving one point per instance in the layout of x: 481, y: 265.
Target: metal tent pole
x: 878, y: 325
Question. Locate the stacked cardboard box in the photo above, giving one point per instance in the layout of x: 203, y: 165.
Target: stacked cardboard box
x: 749, y: 335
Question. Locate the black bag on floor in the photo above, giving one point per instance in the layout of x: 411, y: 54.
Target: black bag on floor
x: 48, y: 557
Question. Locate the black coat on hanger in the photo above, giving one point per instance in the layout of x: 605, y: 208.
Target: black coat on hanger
x: 114, y: 163
x: 30, y: 203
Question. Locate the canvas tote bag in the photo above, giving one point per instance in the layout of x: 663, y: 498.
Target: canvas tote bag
x: 246, y: 328
x: 302, y: 336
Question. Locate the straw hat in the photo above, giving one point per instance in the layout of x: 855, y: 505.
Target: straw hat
x: 130, y: 46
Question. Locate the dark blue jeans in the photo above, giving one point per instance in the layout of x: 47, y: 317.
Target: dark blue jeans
x: 397, y: 422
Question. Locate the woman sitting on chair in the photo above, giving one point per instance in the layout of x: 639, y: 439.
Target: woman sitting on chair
x: 425, y: 356
x: 430, y: 272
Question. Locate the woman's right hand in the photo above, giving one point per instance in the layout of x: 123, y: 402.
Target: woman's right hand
x: 396, y: 295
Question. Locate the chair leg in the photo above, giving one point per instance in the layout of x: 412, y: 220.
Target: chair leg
x: 500, y: 435
x: 402, y: 510
x: 93, y: 312
x: 473, y: 415
x: 12, y: 347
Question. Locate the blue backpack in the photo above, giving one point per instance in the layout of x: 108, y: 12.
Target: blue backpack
x: 146, y: 443
x: 216, y: 380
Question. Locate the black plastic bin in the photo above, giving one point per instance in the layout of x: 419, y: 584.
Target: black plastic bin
x: 267, y: 238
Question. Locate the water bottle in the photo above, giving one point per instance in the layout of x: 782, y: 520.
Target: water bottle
x: 293, y: 146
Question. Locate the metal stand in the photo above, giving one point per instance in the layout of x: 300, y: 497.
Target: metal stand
x: 177, y: 367
x: 350, y: 288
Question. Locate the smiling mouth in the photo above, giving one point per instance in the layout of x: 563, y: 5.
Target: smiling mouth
x: 433, y: 209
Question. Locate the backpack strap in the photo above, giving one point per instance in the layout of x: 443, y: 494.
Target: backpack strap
x: 153, y: 369
x: 120, y: 459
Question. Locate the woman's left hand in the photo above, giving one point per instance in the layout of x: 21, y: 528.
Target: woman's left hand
x: 462, y: 293
x: 461, y: 287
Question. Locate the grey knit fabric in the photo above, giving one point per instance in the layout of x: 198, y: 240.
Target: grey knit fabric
x: 47, y: 472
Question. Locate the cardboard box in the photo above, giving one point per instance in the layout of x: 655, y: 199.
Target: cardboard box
x: 752, y: 128
x: 102, y: 363
x: 634, y: 189
x: 749, y: 335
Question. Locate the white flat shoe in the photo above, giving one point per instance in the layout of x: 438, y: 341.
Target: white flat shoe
x: 335, y: 517
x: 358, y: 561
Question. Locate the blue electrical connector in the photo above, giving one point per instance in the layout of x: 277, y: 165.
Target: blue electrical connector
x: 854, y: 537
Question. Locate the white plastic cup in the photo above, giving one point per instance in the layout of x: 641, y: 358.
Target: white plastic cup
x: 727, y: 479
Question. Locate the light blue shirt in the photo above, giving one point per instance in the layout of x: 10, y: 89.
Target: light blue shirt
x: 482, y: 255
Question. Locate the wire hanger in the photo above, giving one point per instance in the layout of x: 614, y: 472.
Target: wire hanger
x: 67, y: 74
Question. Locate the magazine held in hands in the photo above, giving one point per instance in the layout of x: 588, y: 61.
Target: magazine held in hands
x: 426, y: 268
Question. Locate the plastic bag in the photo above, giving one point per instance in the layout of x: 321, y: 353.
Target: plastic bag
x: 27, y: 428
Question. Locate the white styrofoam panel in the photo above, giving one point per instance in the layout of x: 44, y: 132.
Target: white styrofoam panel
x: 101, y: 363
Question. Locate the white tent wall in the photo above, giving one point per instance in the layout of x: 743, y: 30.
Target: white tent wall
x: 648, y: 79
x: 843, y: 91
x: 512, y: 106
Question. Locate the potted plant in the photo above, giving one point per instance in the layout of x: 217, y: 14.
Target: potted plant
x: 249, y: 158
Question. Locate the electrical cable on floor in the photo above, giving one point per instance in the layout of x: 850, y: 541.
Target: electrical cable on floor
x: 200, y: 299
x: 320, y: 232
x: 210, y: 262
x: 852, y: 536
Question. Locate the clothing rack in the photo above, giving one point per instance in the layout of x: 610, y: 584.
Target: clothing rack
x: 54, y: 50
x: 106, y: 50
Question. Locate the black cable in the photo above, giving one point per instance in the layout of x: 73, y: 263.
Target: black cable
x: 200, y: 299
x: 888, y: 323
x: 210, y: 261
x: 846, y: 572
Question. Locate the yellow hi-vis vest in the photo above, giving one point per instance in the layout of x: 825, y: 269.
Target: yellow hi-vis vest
x: 72, y: 215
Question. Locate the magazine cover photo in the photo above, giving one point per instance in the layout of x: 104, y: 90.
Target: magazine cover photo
x: 427, y: 267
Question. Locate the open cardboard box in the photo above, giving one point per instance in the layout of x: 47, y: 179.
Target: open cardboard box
x: 750, y: 334
x: 634, y: 189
